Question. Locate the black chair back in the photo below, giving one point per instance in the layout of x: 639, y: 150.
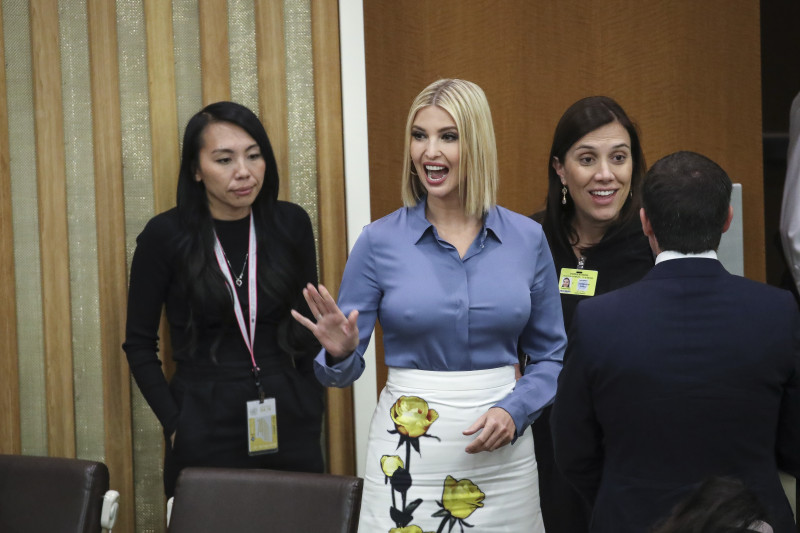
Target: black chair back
x: 210, y: 500
x: 51, y: 494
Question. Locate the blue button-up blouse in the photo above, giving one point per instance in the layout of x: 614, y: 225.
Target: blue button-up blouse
x: 446, y: 313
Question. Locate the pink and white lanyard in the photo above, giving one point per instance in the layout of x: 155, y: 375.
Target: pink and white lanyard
x: 252, y: 293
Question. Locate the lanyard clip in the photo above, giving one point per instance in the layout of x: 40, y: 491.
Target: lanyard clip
x: 257, y: 378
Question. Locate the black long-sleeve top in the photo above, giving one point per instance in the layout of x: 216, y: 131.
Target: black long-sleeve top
x: 154, y: 284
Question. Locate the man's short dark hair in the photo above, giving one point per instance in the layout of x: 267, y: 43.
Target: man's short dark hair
x: 686, y: 198
x: 718, y: 505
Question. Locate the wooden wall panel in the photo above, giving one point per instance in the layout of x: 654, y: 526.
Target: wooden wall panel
x: 51, y: 184
x: 9, y: 388
x: 163, y: 123
x: 112, y: 269
x: 332, y: 223
x: 270, y: 50
x: 163, y: 107
x: 161, y: 157
x: 214, y: 61
x: 687, y: 72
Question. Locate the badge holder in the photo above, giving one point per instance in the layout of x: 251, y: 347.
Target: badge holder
x: 578, y: 282
x: 262, y: 422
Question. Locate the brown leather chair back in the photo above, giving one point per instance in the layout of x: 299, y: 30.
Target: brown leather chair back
x: 210, y: 500
x: 51, y: 494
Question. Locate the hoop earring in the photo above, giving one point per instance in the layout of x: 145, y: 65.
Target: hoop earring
x: 564, y: 195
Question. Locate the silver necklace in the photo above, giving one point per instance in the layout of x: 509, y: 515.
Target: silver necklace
x: 238, y: 279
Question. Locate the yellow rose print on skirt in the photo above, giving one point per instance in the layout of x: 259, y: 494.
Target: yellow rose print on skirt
x: 459, y: 500
x: 440, y: 488
x: 390, y: 463
x: 409, y: 529
x: 400, y: 479
x: 412, y: 418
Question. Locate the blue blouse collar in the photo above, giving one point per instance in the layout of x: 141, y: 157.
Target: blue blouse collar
x: 419, y: 225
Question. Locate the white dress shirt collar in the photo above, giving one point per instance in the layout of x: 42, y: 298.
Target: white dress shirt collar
x: 669, y: 254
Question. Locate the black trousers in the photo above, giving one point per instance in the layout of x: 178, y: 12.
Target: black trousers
x: 212, y: 428
x: 563, y: 509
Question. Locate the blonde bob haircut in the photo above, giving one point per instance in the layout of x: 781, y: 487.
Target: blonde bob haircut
x: 477, y: 154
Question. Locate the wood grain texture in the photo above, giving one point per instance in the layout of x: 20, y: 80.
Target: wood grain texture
x: 163, y: 105
x: 163, y: 125
x: 9, y: 368
x: 214, y: 50
x: 688, y: 76
x: 51, y: 188
x: 272, y: 102
x: 331, y: 194
x: 112, y: 269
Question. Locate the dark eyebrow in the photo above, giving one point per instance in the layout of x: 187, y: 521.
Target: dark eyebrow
x: 615, y: 147
x: 229, y: 151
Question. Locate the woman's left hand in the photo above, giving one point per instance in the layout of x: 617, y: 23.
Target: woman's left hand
x: 498, y: 430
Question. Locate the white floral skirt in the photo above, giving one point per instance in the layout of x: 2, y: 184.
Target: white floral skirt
x: 418, y: 477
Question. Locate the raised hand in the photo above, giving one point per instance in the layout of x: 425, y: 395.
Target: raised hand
x: 498, y: 430
x: 337, y: 333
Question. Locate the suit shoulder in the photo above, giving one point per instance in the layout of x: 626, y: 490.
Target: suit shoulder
x: 767, y: 293
x: 612, y: 299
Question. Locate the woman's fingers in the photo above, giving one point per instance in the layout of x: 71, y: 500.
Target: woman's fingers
x: 321, y: 302
x: 304, y: 321
x: 352, y: 320
x: 497, y: 430
x: 337, y: 333
x: 309, y: 298
x: 313, y: 299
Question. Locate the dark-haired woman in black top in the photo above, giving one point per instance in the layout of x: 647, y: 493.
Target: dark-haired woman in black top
x: 227, y: 264
x: 591, y: 221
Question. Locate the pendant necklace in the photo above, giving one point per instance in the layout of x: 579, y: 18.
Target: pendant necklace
x: 237, y: 279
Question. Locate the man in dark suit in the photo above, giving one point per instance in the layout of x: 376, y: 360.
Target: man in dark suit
x: 690, y: 373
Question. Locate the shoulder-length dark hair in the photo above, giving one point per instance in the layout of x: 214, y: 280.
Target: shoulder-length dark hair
x: 278, y: 273
x: 581, y: 118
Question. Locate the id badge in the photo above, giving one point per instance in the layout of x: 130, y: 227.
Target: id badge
x: 262, y: 427
x: 577, y: 282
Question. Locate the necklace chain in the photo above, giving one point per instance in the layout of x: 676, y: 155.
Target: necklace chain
x: 238, y: 279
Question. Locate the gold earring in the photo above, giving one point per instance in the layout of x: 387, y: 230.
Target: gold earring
x: 564, y: 195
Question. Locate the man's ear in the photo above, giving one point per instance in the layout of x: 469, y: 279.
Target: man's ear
x: 647, y: 229
x: 727, y: 224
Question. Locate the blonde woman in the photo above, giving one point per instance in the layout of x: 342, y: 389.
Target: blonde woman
x: 458, y: 284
